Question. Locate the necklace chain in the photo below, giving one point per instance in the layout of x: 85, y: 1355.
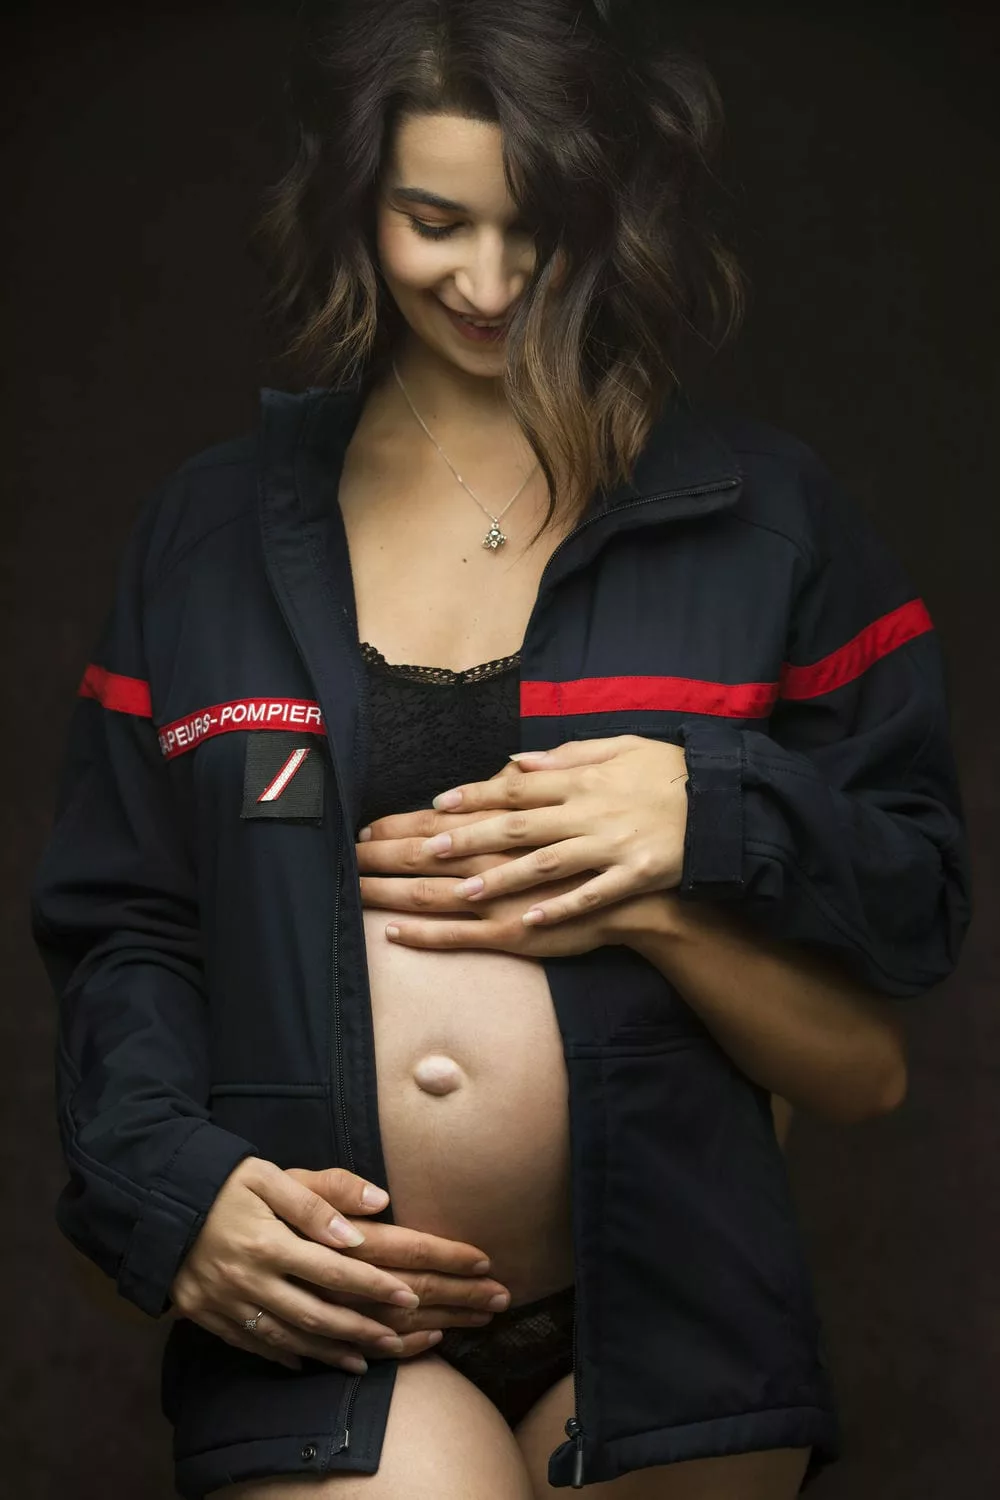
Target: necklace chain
x: 494, y: 538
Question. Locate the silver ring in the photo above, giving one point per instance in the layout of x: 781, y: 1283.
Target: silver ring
x: 250, y: 1324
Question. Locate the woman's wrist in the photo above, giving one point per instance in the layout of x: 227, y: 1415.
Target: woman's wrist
x: 646, y: 918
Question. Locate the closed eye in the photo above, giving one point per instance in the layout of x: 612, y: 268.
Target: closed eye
x: 442, y: 231
x: 432, y: 231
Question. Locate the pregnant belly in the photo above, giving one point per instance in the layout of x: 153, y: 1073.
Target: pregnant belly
x: 473, y: 1105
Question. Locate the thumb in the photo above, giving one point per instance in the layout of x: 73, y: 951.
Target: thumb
x: 343, y: 1190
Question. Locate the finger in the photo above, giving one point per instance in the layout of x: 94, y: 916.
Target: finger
x: 456, y: 1294
x: 340, y: 1273
x: 417, y: 824
x: 575, y: 753
x: 413, y: 1343
x: 424, y: 893
x: 514, y: 790
x: 395, y: 1246
x: 291, y: 1200
x: 424, y: 1319
x: 276, y: 1339
x: 446, y: 935
x: 555, y: 864
x: 320, y: 1316
x: 604, y: 890
x: 421, y: 893
x: 504, y: 831
x: 403, y: 856
x: 343, y: 1190
x: 541, y: 788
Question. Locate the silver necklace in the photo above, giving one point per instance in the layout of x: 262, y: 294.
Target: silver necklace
x: 494, y: 538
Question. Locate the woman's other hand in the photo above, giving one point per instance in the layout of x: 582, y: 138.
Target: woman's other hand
x: 495, y: 924
x: 267, y: 1243
x: 611, y: 810
x: 440, y: 1271
x: 406, y: 881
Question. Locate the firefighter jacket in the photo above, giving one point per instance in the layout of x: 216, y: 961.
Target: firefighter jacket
x: 206, y: 946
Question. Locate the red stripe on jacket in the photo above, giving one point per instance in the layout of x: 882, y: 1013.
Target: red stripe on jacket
x: 592, y: 695
x: 737, y: 700
x: 850, y: 661
x: 126, y: 695
x: 595, y: 695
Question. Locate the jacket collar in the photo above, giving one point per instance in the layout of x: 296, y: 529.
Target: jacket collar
x: 683, y: 453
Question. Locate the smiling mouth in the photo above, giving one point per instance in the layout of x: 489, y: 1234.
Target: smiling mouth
x: 477, y: 322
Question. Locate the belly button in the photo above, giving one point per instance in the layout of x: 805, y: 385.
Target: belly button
x: 438, y: 1075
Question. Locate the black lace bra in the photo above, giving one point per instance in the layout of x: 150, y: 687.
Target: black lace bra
x: 431, y: 729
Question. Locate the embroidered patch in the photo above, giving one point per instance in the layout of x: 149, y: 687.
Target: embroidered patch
x: 283, y: 777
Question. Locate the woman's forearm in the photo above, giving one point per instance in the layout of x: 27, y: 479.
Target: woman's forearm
x: 787, y: 1019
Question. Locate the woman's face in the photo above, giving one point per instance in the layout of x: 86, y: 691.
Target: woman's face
x: 474, y: 257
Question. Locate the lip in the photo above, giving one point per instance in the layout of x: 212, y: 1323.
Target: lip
x: 472, y: 334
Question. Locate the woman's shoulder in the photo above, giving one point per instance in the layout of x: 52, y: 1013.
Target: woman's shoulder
x: 213, y: 487
x: 786, y: 485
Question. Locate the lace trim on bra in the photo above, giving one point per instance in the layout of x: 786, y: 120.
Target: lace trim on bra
x: 443, y: 676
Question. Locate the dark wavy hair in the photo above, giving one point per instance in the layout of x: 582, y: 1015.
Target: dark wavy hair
x: 607, y: 137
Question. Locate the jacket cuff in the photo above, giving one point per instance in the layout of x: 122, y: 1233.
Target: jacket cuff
x: 713, y: 842
x: 175, y: 1209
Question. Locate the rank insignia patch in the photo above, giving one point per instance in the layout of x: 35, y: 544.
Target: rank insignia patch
x: 283, y: 777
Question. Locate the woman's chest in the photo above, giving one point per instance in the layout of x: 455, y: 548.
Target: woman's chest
x: 427, y: 590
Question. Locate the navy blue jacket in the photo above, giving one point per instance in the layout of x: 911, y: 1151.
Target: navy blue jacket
x: 207, y: 948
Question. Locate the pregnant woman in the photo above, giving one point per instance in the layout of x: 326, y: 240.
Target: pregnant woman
x: 497, y: 785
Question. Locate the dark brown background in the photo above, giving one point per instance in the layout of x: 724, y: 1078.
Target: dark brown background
x: 863, y: 157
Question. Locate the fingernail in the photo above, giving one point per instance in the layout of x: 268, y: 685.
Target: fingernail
x: 499, y: 1302
x: 344, y: 1233
x: 534, y: 915
x: 391, y: 930
x: 470, y: 887
x: 405, y: 1298
x: 355, y: 1363
x: 392, y: 1344
x: 481, y: 1268
x: 374, y: 1197
x: 445, y: 801
x: 434, y: 1337
x: 440, y: 843
x: 364, y: 835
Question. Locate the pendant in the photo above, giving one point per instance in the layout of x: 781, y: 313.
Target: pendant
x: 494, y: 538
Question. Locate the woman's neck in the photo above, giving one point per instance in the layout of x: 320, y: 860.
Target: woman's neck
x: 455, y: 405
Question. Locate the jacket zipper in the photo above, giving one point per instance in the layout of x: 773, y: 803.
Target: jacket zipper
x: 574, y: 1427
x: 338, y: 1047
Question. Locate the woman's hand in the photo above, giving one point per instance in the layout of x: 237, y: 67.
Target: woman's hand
x: 495, y: 924
x: 440, y: 1271
x: 616, y: 806
x: 265, y: 1235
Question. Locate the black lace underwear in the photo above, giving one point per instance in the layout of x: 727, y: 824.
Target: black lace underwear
x: 432, y: 729
x: 515, y: 1359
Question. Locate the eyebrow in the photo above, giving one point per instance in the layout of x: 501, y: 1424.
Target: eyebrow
x: 433, y: 200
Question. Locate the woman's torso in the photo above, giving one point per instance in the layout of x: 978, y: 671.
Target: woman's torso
x: 478, y: 1148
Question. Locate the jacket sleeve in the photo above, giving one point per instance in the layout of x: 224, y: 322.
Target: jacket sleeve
x: 114, y: 914
x: 841, y: 825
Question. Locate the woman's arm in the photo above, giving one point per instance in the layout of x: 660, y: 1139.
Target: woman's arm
x: 792, y: 1022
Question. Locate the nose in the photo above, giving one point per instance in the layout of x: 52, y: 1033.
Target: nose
x: 491, y: 281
